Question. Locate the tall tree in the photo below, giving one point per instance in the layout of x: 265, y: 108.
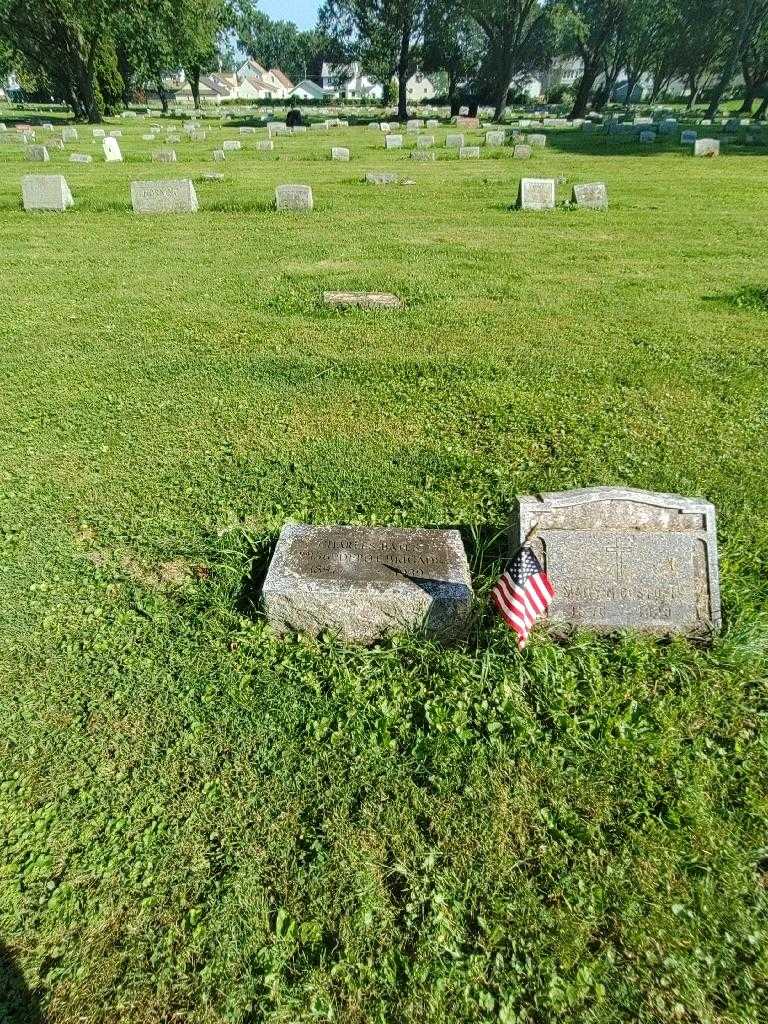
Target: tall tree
x: 701, y: 36
x: 453, y: 43
x: 195, y: 29
x: 275, y: 43
x: 754, y: 67
x: 516, y: 34
x: 587, y: 30
x: 385, y: 35
x: 748, y: 15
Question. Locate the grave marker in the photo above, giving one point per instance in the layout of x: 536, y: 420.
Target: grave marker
x: 536, y: 194
x: 111, y: 149
x: 172, y: 196
x: 591, y: 196
x: 339, y: 153
x: 46, y: 192
x: 706, y: 147
x: 294, y: 197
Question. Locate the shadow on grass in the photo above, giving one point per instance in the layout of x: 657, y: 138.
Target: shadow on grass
x: 17, y: 1003
x: 749, y: 297
x: 576, y: 142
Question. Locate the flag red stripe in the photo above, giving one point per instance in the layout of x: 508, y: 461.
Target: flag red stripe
x: 516, y: 599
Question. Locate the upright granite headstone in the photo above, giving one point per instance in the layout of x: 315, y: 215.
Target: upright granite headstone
x: 706, y: 147
x: 294, y: 197
x: 380, y: 178
x: 46, y: 192
x: 425, y: 141
x: 625, y: 558
x: 536, y: 194
x: 495, y: 138
x: 69, y: 134
x: 112, y: 152
x: 521, y: 152
x: 265, y: 145
x: 687, y: 138
x: 339, y: 153
x: 454, y: 140
x: 537, y: 140
x: 172, y: 196
x: 393, y: 142
x: 469, y: 152
x: 365, y: 583
x: 164, y: 156
x: 38, y: 154
x: 231, y: 145
x: 81, y: 158
x: 591, y: 196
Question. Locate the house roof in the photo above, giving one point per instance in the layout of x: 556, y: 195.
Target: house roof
x: 311, y: 87
x: 282, y: 78
x: 251, y: 67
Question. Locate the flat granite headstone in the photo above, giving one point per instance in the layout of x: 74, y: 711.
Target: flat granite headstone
x: 98, y: 133
x: 231, y: 145
x: 46, y: 192
x: 363, y: 300
x: 339, y: 153
x: 81, y: 158
x: 165, y: 156
x: 69, y: 134
x: 393, y: 141
x: 380, y: 178
x: 495, y: 138
x: 294, y: 197
x: 536, y: 194
x: 622, y: 558
x: 537, y: 140
x: 469, y: 153
x: 424, y: 155
x: 265, y: 144
x: 706, y: 147
x: 521, y: 152
x: 173, y: 196
x: 425, y: 141
x: 365, y: 583
x: 111, y: 148
x: 688, y: 137
x: 592, y: 195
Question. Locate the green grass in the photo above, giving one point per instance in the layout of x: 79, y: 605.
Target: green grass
x: 202, y: 823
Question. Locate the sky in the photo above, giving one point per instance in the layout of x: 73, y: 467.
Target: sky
x: 303, y: 12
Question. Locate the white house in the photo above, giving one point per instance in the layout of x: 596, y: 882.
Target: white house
x: 349, y: 81
x: 307, y: 90
x: 419, y: 88
x: 272, y: 84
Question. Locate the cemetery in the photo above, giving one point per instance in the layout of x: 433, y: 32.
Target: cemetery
x: 298, y: 400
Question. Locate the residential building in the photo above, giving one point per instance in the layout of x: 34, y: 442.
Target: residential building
x: 307, y: 90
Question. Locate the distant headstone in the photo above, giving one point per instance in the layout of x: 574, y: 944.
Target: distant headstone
x: 521, y: 152
x: 112, y: 152
x: 116, y: 133
x: 219, y: 155
x: 231, y: 145
x: 98, y: 133
x: 55, y: 143
x: 454, y: 141
x: 265, y: 145
x: 465, y: 121
x: 362, y: 300
x: 294, y: 197
x: 495, y: 138
x: 164, y: 196
x: 688, y: 138
x: 247, y: 130
x: 414, y: 124
x: 647, y: 137
x: 81, y: 158
x: 537, y: 140
x: 339, y: 153
x: 46, y: 192
x: 380, y: 178
x: 147, y: 137
x: 366, y: 583
x: 536, y: 194
x: 425, y: 141
x: 69, y: 134
x: 706, y: 147
x: 393, y: 142
x: 433, y: 123
x: 172, y: 139
x: 213, y: 176
x: 164, y: 156
x: 38, y: 154
x: 423, y: 155
x: 624, y: 558
x: 591, y: 196
x: 469, y: 153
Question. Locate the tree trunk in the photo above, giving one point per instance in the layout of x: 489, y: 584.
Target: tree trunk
x: 162, y: 94
x: 761, y: 110
x: 500, y: 101
x: 452, y: 86
x: 194, y: 84
x: 402, y: 74
x: 733, y: 57
x: 581, y: 102
x: 749, y: 99
x: 694, y: 93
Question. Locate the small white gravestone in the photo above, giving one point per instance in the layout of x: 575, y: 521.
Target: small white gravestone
x: 294, y: 197
x: 69, y: 134
x: 219, y: 155
x: 380, y: 178
x: 495, y: 138
x: 454, y: 140
x: 339, y: 153
x: 591, y: 196
x: 164, y: 196
x: 112, y: 152
x: 414, y: 124
x: 521, y: 152
x: 246, y: 130
x: 81, y: 158
x: 149, y: 137
x: 536, y: 194
x: 165, y: 156
x: 469, y: 153
x: 46, y: 192
x: 537, y: 140
x: 433, y: 123
x: 688, y: 138
x: 230, y: 145
x: 172, y: 138
x: 55, y: 144
x: 425, y: 141
x: 98, y: 133
x: 706, y: 147
x: 393, y: 142
x: 39, y: 154
x: 265, y: 144
x: 116, y: 133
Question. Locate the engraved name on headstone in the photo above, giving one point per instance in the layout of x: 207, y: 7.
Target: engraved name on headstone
x: 172, y: 196
x: 365, y: 583
x: 536, y: 194
x: 592, y: 196
x: 625, y: 558
x: 294, y: 197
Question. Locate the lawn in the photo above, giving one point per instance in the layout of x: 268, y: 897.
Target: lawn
x: 204, y: 824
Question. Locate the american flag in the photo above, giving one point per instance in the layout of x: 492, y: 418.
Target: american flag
x: 523, y: 594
